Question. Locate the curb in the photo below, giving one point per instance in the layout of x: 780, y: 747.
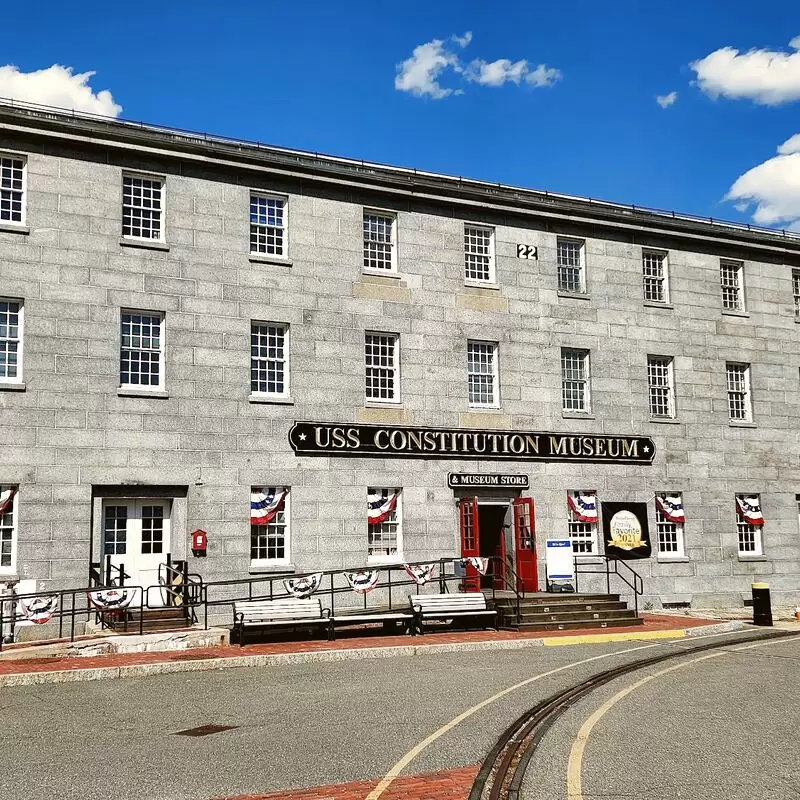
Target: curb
x: 355, y: 654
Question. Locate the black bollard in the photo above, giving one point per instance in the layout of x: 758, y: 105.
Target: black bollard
x: 762, y: 608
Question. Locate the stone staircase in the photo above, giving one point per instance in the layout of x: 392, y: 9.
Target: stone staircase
x: 562, y: 612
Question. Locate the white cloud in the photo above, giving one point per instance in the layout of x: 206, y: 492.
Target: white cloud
x: 57, y: 86
x: 420, y: 73
x: 767, y: 77
x: 773, y: 187
x: 666, y: 100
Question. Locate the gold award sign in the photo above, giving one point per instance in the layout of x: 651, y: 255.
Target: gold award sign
x: 625, y: 531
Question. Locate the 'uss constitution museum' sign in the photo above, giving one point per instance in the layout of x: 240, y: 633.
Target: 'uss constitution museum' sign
x: 403, y: 441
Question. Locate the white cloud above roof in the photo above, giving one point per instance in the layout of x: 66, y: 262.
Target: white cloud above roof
x: 59, y: 87
x: 767, y: 77
x: 666, y: 100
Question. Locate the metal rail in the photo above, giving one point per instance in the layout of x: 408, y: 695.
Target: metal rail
x: 502, y: 773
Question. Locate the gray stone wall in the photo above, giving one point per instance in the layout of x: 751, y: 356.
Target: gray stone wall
x: 70, y: 430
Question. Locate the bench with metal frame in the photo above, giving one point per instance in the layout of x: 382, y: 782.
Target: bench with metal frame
x: 468, y: 608
x: 284, y: 613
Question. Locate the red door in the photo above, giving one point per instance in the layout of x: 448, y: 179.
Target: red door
x: 470, y: 544
x: 525, y: 543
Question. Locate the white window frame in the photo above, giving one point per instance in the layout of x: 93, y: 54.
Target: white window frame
x: 492, y: 279
x: 395, y: 519
x: 137, y: 387
x: 12, y: 568
x: 22, y: 222
x: 284, y: 227
x: 18, y: 379
x: 574, y: 526
x: 742, y: 527
x: 655, y: 280
x: 142, y: 176
x: 493, y: 349
x: 746, y: 393
x: 737, y: 285
x: 581, y: 266
x: 669, y: 363
x: 586, y: 382
x: 668, y: 528
x: 392, y: 217
x: 395, y: 398
x: 261, y: 563
x: 285, y: 394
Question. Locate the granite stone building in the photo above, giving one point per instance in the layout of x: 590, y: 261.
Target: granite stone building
x: 292, y: 352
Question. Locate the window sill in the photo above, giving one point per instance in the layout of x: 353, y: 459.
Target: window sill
x: 10, y: 227
x: 747, y: 557
x: 264, y: 258
x: 665, y: 421
x: 385, y: 561
x: 271, y: 569
x: 492, y: 287
x: 266, y: 399
x: 576, y: 415
x: 12, y: 387
x: 574, y: 295
x: 664, y: 559
x: 656, y: 304
x: 383, y: 404
x: 493, y: 408
x: 730, y: 312
x: 146, y: 244
x: 158, y: 394
x: 736, y: 424
x: 390, y: 274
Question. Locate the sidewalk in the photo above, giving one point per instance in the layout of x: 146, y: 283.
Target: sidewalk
x: 29, y: 666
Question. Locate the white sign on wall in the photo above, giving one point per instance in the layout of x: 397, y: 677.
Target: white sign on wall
x: 559, y: 560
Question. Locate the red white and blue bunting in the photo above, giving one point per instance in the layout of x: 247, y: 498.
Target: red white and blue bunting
x: 303, y: 587
x: 110, y: 601
x: 38, y: 610
x: 480, y: 564
x: 363, y: 581
x: 264, y: 507
x: 421, y: 573
x: 380, y: 508
x: 671, y: 506
x: 584, y: 506
x: 6, y: 500
x: 749, y: 510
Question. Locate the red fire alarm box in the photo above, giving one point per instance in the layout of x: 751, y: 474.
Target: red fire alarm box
x: 199, y: 542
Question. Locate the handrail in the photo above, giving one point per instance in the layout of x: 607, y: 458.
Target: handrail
x: 634, y: 582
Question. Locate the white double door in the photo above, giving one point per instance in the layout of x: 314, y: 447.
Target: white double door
x: 136, y: 536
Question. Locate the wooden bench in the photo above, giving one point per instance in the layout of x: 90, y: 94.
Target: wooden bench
x: 469, y: 607
x: 386, y: 617
x: 283, y: 613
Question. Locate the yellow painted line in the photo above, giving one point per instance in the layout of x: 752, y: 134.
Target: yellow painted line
x: 390, y: 776
x: 595, y: 638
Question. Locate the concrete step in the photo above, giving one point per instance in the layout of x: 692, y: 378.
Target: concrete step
x: 612, y: 622
x: 555, y: 599
x: 589, y: 610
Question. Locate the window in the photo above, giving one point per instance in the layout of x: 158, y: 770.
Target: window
x: 115, y: 530
x: 269, y: 537
x: 8, y: 528
x: 268, y: 225
x: 749, y: 524
x: 739, y: 405
x: 660, y: 386
x: 654, y: 276
x: 483, y: 383
x: 268, y: 363
x: 478, y: 254
x: 384, y: 537
x: 582, y: 522
x: 142, y: 206
x: 796, y: 293
x: 569, y: 255
x: 669, y: 531
x: 575, y: 381
x: 10, y: 341
x: 12, y: 189
x: 382, y: 367
x: 141, y: 350
x: 379, y: 242
x: 730, y: 276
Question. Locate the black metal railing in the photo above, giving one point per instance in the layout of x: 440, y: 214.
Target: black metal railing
x: 611, y: 566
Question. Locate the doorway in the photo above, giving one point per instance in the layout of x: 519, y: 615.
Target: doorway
x: 492, y: 541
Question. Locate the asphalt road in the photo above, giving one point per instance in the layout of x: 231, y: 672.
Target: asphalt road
x: 312, y: 724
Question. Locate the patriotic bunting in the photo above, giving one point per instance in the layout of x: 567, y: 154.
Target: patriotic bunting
x: 480, y: 564
x: 584, y: 506
x: 421, y: 573
x: 263, y: 507
x: 303, y: 587
x: 379, y: 507
x: 6, y: 499
x: 749, y: 510
x: 671, y: 506
x: 362, y: 582
x: 110, y: 601
x: 38, y: 609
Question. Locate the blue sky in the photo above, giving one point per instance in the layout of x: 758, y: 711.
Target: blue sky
x: 321, y: 76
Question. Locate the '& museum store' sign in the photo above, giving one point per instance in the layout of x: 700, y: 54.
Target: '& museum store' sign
x: 401, y: 441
